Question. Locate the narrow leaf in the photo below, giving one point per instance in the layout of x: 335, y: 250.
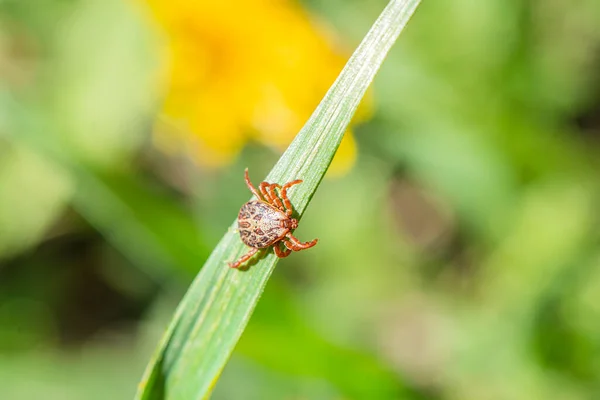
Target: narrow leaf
x: 214, y: 312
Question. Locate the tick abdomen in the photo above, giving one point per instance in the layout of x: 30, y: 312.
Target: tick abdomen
x: 261, y: 224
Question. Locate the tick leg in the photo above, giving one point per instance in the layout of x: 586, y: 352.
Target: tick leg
x: 250, y: 186
x: 297, y: 245
x: 243, y: 258
x: 274, y: 199
x: 264, y: 190
x: 287, y: 243
x: 286, y: 200
x: 281, y: 253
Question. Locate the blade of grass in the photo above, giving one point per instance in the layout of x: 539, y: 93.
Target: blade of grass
x: 214, y: 312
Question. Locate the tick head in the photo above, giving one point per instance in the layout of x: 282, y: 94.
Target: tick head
x: 290, y: 223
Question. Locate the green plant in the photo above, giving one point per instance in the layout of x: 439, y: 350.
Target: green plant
x: 214, y: 312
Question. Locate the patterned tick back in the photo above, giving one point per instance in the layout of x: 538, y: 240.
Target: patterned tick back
x: 260, y: 224
x: 268, y: 221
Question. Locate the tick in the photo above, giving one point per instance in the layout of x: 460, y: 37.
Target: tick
x: 268, y: 221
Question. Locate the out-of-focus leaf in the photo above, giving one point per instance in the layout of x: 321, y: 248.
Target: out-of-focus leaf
x: 33, y: 192
x: 277, y: 324
x: 104, y: 80
x: 144, y: 224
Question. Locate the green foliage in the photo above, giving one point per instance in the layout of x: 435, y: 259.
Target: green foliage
x: 460, y: 253
x: 218, y: 305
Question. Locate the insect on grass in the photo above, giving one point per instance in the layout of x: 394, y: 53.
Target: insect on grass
x: 268, y: 221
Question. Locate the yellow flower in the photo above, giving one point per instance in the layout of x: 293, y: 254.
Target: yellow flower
x: 244, y: 70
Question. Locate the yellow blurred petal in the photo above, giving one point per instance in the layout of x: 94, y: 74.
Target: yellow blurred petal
x: 365, y: 108
x: 208, y: 149
x: 345, y: 157
x: 244, y: 71
x: 217, y: 136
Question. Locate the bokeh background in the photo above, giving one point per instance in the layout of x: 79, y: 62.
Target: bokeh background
x: 459, y: 253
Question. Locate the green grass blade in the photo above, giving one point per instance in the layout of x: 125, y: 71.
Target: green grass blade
x: 218, y: 305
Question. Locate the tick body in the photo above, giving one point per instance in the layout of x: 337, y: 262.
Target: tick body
x: 268, y: 221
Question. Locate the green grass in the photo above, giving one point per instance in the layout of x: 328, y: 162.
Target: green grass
x: 214, y: 312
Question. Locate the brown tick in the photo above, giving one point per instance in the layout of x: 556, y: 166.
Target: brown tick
x: 268, y: 221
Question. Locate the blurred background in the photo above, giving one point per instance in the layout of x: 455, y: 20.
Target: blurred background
x: 459, y: 253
